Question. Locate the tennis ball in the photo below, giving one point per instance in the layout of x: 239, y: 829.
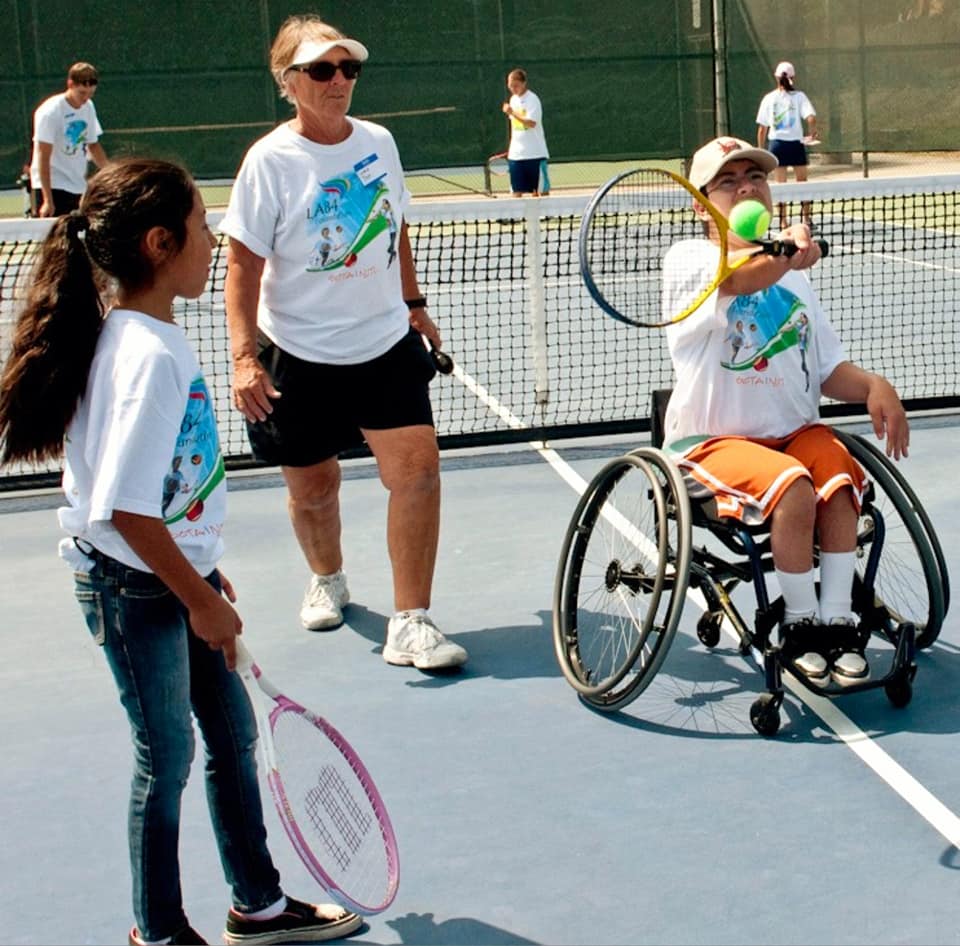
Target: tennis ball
x: 750, y: 220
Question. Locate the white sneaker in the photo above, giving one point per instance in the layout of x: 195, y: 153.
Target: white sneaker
x: 850, y: 667
x: 324, y: 601
x: 800, y: 648
x: 849, y: 664
x: 413, y: 639
x: 813, y: 666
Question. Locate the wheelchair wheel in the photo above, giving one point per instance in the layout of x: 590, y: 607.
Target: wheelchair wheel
x: 622, y: 578
x: 911, y: 498
x: 911, y: 578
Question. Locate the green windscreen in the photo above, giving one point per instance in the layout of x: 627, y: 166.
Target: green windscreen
x: 618, y: 78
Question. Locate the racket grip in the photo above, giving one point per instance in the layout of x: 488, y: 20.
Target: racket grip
x: 244, y: 657
x: 441, y: 360
x: 788, y: 247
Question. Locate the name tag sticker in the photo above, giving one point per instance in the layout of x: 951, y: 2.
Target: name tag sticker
x: 369, y: 170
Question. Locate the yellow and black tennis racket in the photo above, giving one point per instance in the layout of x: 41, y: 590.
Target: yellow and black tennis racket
x: 628, y: 227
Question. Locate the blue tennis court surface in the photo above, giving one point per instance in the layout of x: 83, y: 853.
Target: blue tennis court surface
x: 522, y: 816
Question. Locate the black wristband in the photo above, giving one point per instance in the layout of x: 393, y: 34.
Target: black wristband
x: 419, y: 302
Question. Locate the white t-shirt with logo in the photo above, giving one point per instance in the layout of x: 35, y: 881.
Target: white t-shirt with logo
x: 144, y: 440
x: 748, y: 365
x: 70, y: 130
x: 326, y: 219
x: 526, y: 143
x: 783, y: 113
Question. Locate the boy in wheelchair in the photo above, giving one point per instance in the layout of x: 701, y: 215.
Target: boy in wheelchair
x: 743, y: 421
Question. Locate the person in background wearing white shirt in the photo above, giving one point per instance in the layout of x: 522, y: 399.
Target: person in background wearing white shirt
x: 527, y: 155
x: 66, y: 137
x: 780, y: 121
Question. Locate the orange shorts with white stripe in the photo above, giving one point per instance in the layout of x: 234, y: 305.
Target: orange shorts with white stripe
x: 748, y: 477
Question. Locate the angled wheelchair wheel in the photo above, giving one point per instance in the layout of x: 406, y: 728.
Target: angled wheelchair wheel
x: 913, y: 501
x: 622, y: 577
x: 911, y: 583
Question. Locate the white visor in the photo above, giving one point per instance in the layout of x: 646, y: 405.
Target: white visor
x: 310, y: 50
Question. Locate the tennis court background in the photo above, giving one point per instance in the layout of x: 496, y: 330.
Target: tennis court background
x: 619, y: 78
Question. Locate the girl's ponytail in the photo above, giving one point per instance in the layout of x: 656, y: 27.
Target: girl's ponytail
x: 53, y: 345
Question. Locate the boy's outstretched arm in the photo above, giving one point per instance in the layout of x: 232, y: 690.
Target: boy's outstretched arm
x: 850, y: 383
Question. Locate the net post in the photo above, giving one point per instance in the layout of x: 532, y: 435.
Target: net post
x: 537, y: 312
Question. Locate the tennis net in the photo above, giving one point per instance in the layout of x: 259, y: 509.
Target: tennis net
x: 536, y: 358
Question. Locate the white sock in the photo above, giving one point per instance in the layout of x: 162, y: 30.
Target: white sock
x: 152, y: 942
x: 267, y: 913
x: 799, y: 592
x: 836, y: 585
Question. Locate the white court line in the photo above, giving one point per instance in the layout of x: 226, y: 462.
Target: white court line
x: 842, y: 250
x: 924, y: 802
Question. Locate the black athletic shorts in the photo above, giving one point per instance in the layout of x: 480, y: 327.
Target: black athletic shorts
x: 63, y: 201
x: 790, y: 154
x: 324, y: 407
x: 525, y: 175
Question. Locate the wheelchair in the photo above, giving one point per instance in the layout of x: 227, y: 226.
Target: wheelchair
x: 629, y: 560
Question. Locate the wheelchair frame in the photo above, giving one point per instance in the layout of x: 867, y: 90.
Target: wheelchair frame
x: 628, y: 559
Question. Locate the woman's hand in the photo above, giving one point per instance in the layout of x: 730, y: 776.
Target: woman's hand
x: 425, y: 326
x: 253, y: 390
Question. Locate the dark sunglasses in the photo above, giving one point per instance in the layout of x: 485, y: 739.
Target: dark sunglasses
x: 323, y: 71
x: 87, y: 81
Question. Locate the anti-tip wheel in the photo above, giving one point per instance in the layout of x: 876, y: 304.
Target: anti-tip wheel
x: 765, y: 715
x: 899, y: 691
x: 708, y: 628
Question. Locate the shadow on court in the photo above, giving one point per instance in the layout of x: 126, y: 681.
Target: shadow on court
x: 502, y: 653
x: 422, y: 928
x: 705, y: 694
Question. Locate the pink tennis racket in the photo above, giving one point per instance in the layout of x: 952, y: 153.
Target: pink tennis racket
x: 325, y: 797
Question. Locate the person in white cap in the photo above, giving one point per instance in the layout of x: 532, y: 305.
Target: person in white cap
x: 745, y: 427
x: 780, y: 121
x: 327, y: 324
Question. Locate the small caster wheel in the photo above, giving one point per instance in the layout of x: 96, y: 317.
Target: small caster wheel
x: 899, y: 691
x: 708, y: 628
x: 765, y: 715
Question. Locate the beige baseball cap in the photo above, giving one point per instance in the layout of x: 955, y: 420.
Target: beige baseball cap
x: 784, y: 68
x: 714, y: 155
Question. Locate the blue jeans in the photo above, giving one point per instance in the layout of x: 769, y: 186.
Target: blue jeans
x: 163, y: 672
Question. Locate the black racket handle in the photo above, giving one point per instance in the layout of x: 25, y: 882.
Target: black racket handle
x: 788, y: 247
x: 441, y: 360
